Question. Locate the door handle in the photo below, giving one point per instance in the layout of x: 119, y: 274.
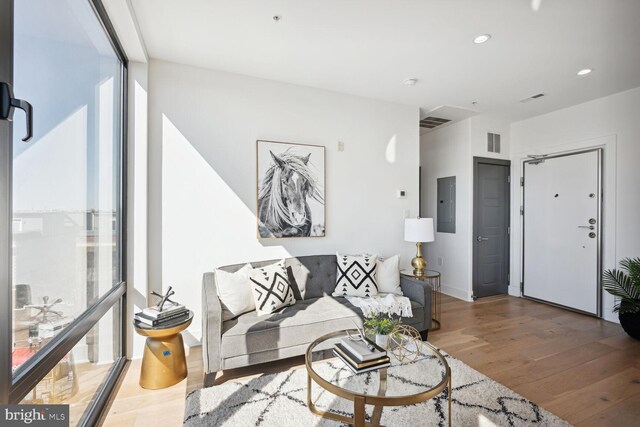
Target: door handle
x: 8, y: 104
x: 589, y: 227
x: 481, y: 239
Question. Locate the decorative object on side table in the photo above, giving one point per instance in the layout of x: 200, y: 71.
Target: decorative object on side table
x: 380, y: 325
x: 165, y: 311
x: 432, y: 277
x: 163, y: 362
x: 625, y: 284
x: 405, y: 343
x: 290, y: 190
x: 418, y: 230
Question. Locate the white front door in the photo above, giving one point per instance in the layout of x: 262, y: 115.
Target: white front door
x: 562, y: 230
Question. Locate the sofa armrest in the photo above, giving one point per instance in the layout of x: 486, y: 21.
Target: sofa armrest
x: 211, y: 324
x: 420, y: 292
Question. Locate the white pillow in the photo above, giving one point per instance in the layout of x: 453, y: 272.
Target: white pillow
x: 234, y: 291
x: 388, y: 275
x: 271, y: 288
x: 356, y: 276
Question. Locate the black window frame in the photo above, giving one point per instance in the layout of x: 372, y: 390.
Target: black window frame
x: 15, y: 386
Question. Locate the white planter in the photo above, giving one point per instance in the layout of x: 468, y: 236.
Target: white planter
x: 382, y: 340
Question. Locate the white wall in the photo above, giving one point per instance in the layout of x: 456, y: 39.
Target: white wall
x: 203, y: 127
x: 445, y: 152
x: 137, y: 211
x: 479, y: 127
x: 612, y: 123
x: 449, y: 151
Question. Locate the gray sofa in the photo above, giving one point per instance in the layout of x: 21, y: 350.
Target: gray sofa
x: 250, y: 339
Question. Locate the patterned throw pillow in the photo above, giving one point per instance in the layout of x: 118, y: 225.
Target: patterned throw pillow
x: 271, y: 288
x: 356, y: 276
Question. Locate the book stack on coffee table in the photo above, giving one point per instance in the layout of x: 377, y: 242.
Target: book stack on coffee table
x: 361, y: 355
x: 171, y: 313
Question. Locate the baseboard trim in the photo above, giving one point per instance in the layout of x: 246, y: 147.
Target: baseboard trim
x: 456, y: 293
x: 514, y: 291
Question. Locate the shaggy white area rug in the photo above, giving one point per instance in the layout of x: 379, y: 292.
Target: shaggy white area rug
x: 280, y: 400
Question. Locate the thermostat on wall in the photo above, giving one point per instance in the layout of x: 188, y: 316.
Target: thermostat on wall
x: 402, y: 194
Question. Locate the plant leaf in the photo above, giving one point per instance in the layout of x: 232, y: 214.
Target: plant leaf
x: 617, y: 283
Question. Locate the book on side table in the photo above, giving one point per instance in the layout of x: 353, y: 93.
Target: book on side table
x: 170, y: 312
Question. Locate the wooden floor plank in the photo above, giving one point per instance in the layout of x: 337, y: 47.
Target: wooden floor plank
x: 596, y: 397
x: 579, y: 367
x: 624, y: 413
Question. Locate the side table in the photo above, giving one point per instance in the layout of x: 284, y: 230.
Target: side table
x: 163, y: 363
x: 432, y: 277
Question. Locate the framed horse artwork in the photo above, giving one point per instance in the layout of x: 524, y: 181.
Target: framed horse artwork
x: 290, y: 190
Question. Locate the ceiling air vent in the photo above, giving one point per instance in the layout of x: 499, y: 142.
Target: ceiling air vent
x: 431, y: 122
x: 443, y: 116
x: 532, y: 97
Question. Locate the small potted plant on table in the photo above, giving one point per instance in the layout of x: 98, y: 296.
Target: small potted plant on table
x: 625, y: 284
x: 380, y: 325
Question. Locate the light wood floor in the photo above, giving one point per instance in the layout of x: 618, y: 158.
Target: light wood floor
x: 582, y: 369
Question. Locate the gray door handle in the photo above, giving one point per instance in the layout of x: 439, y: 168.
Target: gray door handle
x: 590, y: 227
x: 8, y: 104
x: 480, y: 238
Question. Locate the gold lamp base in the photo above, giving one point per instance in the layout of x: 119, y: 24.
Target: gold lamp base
x: 418, y: 263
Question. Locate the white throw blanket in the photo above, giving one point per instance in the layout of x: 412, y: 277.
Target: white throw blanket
x: 383, y: 303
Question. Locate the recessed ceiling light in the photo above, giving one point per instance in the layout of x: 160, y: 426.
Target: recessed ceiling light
x: 410, y: 81
x: 584, y: 71
x: 482, y: 38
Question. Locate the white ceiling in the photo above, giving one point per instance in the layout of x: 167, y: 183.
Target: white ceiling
x: 368, y: 47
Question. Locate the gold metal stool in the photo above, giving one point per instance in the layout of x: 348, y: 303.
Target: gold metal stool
x: 163, y: 363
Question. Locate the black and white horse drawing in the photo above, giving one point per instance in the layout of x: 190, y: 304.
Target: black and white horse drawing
x: 283, y: 210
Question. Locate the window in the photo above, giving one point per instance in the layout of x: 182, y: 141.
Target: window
x: 62, y: 205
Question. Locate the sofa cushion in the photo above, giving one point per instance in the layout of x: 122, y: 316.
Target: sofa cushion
x: 318, y: 278
x: 234, y: 291
x: 295, y: 325
x: 356, y: 276
x: 388, y: 275
x: 298, y: 324
x: 271, y: 288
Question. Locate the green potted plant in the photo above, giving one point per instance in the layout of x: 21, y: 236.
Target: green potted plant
x: 380, y: 325
x: 625, y: 284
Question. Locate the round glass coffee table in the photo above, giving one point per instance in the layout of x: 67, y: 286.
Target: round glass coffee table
x: 403, y: 383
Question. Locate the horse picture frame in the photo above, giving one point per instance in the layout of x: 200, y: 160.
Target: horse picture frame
x: 290, y: 190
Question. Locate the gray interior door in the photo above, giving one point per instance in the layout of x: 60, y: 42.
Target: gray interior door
x: 491, y: 227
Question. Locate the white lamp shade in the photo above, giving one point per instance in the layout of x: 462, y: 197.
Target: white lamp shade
x: 418, y: 229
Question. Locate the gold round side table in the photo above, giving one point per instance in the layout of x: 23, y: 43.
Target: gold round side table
x: 163, y: 363
x: 431, y: 277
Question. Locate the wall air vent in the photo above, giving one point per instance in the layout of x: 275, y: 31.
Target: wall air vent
x: 431, y: 122
x: 532, y: 97
x: 493, y: 142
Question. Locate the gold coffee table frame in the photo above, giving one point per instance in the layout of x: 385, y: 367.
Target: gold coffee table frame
x: 431, y: 277
x: 163, y: 362
x: 360, y: 400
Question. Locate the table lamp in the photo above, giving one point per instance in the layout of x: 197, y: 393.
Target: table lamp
x: 418, y: 230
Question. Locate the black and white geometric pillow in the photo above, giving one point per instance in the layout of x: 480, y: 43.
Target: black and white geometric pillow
x: 271, y: 288
x: 356, y: 276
